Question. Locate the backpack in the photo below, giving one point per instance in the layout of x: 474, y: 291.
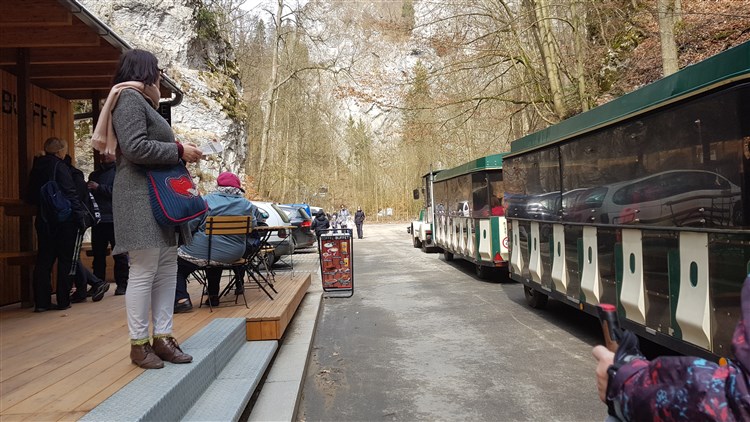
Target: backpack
x: 53, y: 205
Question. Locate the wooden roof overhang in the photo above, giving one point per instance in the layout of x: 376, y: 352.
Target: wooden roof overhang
x: 62, y: 48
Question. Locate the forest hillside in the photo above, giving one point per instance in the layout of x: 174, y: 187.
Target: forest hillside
x: 340, y: 101
x: 709, y: 27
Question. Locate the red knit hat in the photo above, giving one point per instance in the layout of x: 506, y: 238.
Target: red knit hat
x: 228, y: 179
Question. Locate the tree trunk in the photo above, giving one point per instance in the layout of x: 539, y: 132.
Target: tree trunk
x: 268, y: 111
x: 667, y: 19
x: 285, y: 170
x: 549, y: 55
x: 578, y: 40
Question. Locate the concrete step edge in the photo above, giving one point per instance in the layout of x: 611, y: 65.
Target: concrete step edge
x: 167, y: 393
x: 226, y: 398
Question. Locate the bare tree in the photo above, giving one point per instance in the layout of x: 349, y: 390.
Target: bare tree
x: 270, y: 96
x: 668, y: 16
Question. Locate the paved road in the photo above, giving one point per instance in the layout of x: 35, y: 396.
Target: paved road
x: 423, y: 339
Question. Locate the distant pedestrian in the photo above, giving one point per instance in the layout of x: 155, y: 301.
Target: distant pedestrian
x: 56, y: 231
x: 343, y: 218
x: 359, y: 219
x: 334, y: 221
x: 103, y: 234
x: 320, y: 223
x: 91, y: 217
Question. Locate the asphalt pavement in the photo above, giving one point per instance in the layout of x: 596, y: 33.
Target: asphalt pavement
x: 424, y: 339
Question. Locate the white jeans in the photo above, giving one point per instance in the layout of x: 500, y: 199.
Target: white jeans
x: 151, y: 287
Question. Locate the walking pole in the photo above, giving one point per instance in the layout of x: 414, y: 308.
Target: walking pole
x: 76, y: 252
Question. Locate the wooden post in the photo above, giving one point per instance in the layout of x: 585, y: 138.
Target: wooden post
x: 95, y: 110
x: 25, y: 226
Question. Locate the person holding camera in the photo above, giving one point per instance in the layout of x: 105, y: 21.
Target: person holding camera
x: 677, y: 388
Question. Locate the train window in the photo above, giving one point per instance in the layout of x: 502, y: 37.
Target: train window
x: 480, y: 195
x: 497, y: 192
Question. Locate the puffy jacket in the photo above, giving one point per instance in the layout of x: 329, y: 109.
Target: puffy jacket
x: 82, y: 190
x: 224, y: 248
x: 105, y: 177
x: 320, y: 223
x: 343, y: 217
x: 687, y: 388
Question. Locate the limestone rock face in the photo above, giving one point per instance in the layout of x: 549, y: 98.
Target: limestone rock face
x: 202, y: 64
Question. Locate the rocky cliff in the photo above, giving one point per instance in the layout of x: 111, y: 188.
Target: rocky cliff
x: 184, y: 37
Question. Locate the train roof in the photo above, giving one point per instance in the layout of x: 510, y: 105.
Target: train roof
x: 724, y: 68
x: 432, y: 172
x: 490, y: 162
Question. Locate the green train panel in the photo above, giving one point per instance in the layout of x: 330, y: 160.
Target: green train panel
x: 681, y: 284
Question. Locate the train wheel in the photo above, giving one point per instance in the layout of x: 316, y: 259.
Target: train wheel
x: 534, y: 298
x: 448, y: 256
x: 483, y: 272
x: 417, y: 242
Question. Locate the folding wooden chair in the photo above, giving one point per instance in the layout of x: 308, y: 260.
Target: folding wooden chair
x: 225, y: 225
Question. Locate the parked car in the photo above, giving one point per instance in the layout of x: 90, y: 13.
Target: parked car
x: 281, y: 240
x: 675, y: 197
x: 303, y: 206
x: 302, y: 236
x: 545, y: 206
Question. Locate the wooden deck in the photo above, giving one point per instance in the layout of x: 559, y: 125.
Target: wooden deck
x: 59, y: 365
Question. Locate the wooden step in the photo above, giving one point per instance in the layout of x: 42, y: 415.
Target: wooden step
x: 269, y: 320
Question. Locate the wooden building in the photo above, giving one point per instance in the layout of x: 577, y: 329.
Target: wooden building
x: 51, y: 53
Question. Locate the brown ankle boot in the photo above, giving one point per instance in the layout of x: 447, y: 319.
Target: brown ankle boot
x: 143, y: 355
x: 168, y: 349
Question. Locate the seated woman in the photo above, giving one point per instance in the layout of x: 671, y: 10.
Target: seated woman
x: 226, y: 200
x: 497, y: 206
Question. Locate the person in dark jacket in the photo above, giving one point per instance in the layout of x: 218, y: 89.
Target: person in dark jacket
x: 103, y: 234
x: 680, y: 388
x: 91, y: 216
x: 320, y: 223
x: 56, y: 240
x: 359, y: 219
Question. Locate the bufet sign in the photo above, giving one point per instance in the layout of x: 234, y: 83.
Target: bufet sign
x: 336, y: 261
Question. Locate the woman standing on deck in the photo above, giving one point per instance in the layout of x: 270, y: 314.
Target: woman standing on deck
x: 130, y: 128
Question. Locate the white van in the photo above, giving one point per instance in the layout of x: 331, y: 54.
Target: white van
x: 281, y: 241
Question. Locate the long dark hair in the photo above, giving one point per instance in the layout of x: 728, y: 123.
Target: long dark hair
x: 137, y: 65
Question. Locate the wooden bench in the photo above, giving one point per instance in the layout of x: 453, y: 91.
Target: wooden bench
x: 17, y: 208
x: 19, y: 258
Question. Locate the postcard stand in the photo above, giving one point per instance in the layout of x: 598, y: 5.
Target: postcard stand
x: 337, y: 262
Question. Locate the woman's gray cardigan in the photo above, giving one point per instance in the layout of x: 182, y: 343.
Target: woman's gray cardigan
x: 144, y: 139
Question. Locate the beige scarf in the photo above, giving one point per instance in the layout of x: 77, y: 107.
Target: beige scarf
x: 104, y: 139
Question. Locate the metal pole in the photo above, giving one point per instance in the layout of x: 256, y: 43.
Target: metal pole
x: 431, y: 214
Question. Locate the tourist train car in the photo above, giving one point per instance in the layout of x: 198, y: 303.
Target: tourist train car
x: 643, y: 202
x: 421, y: 229
x: 469, y: 214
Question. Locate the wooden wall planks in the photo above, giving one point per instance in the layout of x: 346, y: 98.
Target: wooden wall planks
x: 51, y: 116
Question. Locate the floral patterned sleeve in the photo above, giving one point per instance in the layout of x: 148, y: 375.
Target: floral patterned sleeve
x: 686, y: 388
